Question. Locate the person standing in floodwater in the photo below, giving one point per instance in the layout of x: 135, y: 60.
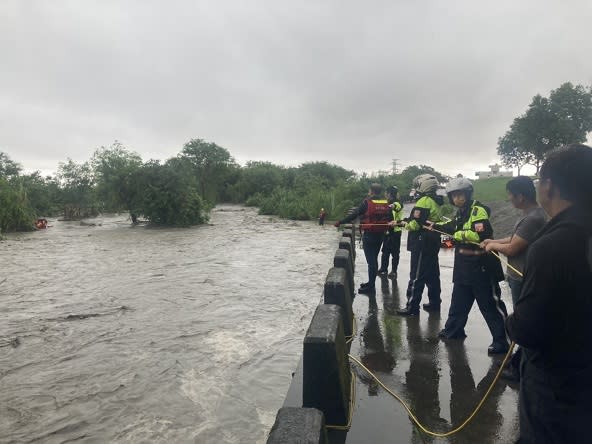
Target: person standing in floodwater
x: 322, y: 215
x: 551, y: 319
x: 376, y: 214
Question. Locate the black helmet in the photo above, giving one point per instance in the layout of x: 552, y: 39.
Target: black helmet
x: 392, y: 190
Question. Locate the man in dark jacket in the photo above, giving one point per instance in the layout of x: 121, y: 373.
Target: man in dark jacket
x: 375, y: 214
x: 552, y: 316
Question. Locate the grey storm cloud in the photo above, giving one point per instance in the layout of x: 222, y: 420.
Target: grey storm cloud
x: 356, y: 84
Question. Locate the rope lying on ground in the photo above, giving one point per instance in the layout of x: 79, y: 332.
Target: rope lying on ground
x: 412, y: 415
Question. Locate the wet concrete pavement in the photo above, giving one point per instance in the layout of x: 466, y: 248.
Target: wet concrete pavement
x: 442, y: 381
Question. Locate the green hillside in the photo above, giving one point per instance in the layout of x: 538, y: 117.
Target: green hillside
x: 491, y: 190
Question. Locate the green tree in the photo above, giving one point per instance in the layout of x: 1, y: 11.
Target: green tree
x: 113, y: 169
x: 320, y: 175
x: 43, y: 193
x: 563, y: 118
x: 258, y: 177
x: 212, y: 165
x: 8, y: 168
x: 512, y: 153
x: 330, y: 173
x: 77, y: 189
x: 15, y: 212
x: 168, y: 195
x: 571, y: 107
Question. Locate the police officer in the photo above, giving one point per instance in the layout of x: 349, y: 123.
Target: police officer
x: 551, y: 319
x: 476, y: 274
x: 424, y: 246
x: 391, y: 245
x: 375, y: 214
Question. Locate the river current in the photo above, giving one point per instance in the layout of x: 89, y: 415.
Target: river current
x: 116, y: 333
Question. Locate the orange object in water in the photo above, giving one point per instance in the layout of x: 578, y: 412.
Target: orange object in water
x: 41, y: 224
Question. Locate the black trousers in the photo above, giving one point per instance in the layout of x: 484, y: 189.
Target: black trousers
x: 391, y: 246
x: 488, y: 296
x: 371, y: 243
x: 424, y: 272
x: 554, y: 410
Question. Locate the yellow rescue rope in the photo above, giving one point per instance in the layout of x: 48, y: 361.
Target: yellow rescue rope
x: 412, y: 415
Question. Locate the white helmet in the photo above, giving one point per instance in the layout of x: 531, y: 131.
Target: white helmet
x: 459, y: 184
x: 425, y: 183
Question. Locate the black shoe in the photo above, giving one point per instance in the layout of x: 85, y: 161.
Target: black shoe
x: 367, y: 290
x: 392, y: 275
x: 497, y: 349
x: 442, y: 334
x: 364, y: 284
x: 431, y: 307
x: 407, y: 312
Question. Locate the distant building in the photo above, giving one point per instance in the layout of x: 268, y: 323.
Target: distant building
x: 494, y: 171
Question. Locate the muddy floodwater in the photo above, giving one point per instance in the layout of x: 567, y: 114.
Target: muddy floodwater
x: 114, y: 333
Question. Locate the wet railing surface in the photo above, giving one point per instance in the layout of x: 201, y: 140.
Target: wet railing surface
x: 113, y: 333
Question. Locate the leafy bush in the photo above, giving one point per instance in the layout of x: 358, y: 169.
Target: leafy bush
x: 168, y: 197
x: 15, y: 212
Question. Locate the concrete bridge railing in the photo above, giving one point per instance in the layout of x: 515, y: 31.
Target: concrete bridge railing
x: 326, y: 383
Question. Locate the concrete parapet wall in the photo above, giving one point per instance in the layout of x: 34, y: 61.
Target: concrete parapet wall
x: 295, y: 425
x: 342, y: 259
x: 326, y: 372
x: 323, y: 377
x: 347, y: 244
x: 338, y: 291
x: 350, y: 231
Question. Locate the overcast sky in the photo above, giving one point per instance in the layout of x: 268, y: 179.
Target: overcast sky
x: 353, y: 83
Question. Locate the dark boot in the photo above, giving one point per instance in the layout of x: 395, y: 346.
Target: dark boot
x: 497, y: 348
x: 367, y: 290
x: 408, y: 312
x: 431, y: 307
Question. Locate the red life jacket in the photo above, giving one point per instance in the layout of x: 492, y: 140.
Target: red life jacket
x: 377, y: 216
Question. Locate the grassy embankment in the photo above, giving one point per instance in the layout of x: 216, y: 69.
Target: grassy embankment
x: 492, y: 192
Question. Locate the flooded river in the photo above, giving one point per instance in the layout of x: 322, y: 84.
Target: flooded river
x: 114, y: 333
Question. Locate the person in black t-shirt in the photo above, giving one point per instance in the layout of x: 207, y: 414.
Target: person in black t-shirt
x: 551, y: 319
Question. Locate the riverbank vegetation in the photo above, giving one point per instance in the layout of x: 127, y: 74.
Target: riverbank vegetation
x: 181, y: 190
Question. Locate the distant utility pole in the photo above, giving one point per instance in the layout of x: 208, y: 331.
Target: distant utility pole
x: 395, y: 169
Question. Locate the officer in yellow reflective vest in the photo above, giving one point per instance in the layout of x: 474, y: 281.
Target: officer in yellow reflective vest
x: 424, y: 246
x: 476, y: 274
x: 391, y: 246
